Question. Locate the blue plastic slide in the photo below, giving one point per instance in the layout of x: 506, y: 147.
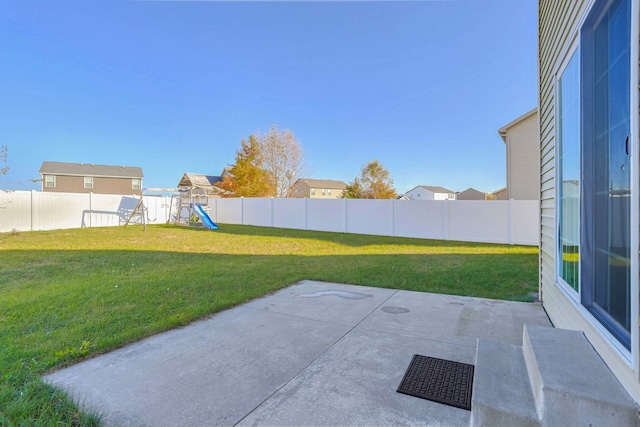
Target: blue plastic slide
x: 206, y: 220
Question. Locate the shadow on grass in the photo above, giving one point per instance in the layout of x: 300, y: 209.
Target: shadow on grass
x: 348, y: 239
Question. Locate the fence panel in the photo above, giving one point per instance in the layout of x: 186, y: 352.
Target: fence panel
x: 325, y: 215
x: 158, y: 209
x: 426, y: 219
x: 53, y: 211
x: 525, y: 220
x: 369, y: 217
x: 105, y: 210
x: 257, y: 212
x: 229, y: 211
x: 479, y: 221
x: 15, y: 210
x: 290, y: 213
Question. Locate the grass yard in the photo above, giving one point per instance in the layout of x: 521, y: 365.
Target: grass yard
x: 70, y: 294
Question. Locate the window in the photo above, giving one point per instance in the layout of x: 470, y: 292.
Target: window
x: 606, y: 209
x: 136, y: 184
x: 329, y: 191
x: 313, y: 191
x: 568, y: 182
x: 49, y: 180
x: 324, y: 192
x: 88, y: 182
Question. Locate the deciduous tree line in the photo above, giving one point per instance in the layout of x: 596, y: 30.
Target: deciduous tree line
x: 267, y: 165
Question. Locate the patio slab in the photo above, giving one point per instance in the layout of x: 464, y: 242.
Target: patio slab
x: 311, y: 354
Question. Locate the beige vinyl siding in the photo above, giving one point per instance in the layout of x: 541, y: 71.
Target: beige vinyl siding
x: 524, y: 154
x: 558, y: 24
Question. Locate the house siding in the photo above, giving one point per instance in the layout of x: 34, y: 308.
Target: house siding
x: 101, y: 185
x: 303, y: 189
x: 558, y: 24
x: 523, y: 154
x: 471, y: 194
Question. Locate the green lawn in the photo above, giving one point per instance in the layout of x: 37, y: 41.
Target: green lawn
x: 71, y: 294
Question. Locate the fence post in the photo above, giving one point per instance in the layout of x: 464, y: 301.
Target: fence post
x: 91, y: 209
x: 33, y: 196
x: 509, y: 222
x: 392, y: 218
x: 445, y: 222
x: 306, y: 216
x: 346, y: 215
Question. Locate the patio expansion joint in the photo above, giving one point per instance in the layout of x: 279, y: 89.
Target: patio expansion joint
x: 318, y: 356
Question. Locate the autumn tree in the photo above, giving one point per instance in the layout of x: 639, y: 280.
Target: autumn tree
x: 374, y: 182
x: 247, y: 178
x: 353, y: 190
x: 282, y: 159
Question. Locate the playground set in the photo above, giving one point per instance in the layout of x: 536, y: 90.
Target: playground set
x: 190, y: 203
x: 194, y: 201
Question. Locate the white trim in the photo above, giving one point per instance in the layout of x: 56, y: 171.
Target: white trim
x: 560, y: 68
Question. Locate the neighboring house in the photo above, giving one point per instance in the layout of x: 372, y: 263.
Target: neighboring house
x: 522, y: 140
x: 428, y: 192
x: 199, y: 181
x: 501, y: 194
x: 317, y: 188
x: 589, y: 147
x: 90, y: 178
x: 471, y: 194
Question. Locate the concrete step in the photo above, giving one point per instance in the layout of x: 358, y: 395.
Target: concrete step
x: 571, y: 384
x: 502, y: 394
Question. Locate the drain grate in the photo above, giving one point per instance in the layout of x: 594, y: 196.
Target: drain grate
x: 439, y: 380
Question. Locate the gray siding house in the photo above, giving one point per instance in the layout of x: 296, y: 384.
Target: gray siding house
x: 90, y: 178
x: 590, y: 181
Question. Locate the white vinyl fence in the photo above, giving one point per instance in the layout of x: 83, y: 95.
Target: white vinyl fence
x: 492, y: 221
x: 34, y: 210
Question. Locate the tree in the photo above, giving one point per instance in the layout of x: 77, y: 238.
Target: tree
x: 4, y: 155
x: 374, y: 183
x: 282, y: 158
x: 247, y: 178
x: 353, y: 190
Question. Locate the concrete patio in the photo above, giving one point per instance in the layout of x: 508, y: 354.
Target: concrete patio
x: 311, y: 354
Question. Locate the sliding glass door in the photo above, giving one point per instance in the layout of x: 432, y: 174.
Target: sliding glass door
x: 606, y: 210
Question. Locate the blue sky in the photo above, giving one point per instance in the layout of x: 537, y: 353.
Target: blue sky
x: 173, y: 86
